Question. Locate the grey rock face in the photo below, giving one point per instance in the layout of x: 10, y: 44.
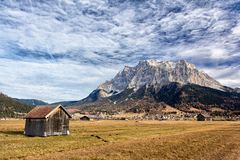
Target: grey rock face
x: 157, y: 74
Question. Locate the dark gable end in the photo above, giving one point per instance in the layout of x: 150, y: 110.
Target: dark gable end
x: 69, y: 115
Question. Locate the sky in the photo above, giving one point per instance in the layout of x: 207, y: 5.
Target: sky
x: 61, y: 50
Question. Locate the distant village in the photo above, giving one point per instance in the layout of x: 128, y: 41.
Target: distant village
x: 171, y: 115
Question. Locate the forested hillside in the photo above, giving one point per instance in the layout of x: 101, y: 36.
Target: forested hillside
x: 9, y: 107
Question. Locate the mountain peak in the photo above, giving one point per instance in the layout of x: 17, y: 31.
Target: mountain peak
x: 151, y: 62
x: 176, y: 83
x: 156, y: 63
x: 127, y: 68
x: 157, y: 74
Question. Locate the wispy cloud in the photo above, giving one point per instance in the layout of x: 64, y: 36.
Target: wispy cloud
x: 62, y: 49
x: 226, y: 75
x: 50, y: 81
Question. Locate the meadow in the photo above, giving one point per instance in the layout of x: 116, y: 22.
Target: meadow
x: 137, y: 140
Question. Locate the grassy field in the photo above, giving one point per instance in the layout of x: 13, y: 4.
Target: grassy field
x: 126, y: 140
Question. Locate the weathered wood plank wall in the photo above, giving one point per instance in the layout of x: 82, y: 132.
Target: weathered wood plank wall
x: 35, y: 127
x: 56, y: 124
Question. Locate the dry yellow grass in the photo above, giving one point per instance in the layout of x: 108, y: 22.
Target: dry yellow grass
x: 126, y: 140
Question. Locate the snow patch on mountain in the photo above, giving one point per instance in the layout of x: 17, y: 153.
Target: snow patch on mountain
x: 157, y: 74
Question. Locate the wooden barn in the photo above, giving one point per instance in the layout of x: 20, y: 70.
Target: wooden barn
x: 47, y: 121
x: 203, y: 117
x: 85, y: 118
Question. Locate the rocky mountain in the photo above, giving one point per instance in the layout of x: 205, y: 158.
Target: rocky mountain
x: 31, y: 102
x: 175, y: 83
x: 9, y: 107
x: 157, y: 74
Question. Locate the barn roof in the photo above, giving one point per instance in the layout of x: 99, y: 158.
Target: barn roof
x: 205, y: 115
x: 45, y: 111
x: 84, y: 117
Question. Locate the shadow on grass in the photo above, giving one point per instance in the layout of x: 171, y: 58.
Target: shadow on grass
x: 12, y: 132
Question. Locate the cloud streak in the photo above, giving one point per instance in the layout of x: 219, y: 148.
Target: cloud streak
x: 52, y: 81
x: 65, y: 48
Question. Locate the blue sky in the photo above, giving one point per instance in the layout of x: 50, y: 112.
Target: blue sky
x: 63, y: 49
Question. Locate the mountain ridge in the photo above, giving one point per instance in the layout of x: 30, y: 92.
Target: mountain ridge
x: 178, y: 84
x: 158, y: 73
x: 31, y: 102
